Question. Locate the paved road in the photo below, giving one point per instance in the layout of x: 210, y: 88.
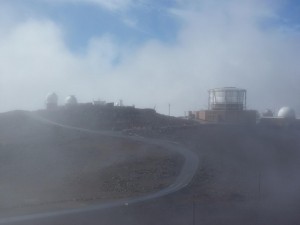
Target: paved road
x: 187, y: 172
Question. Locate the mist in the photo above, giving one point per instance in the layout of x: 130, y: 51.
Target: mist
x: 233, y: 43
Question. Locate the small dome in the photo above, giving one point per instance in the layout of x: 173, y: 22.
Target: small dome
x: 51, y: 98
x: 268, y: 113
x: 71, y: 100
x: 287, y: 112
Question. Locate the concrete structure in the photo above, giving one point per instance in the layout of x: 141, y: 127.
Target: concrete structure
x: 226, y: 105
x: 71, y: 100
x: 99, y: 102
x: 51, y: 101
x: 225, y: 116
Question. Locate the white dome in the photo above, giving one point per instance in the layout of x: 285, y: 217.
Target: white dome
x: 287, y: 112
x: 268, y: 113
x: 71, y: 100
x: 51, y: 98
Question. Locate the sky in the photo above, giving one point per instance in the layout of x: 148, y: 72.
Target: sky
x: 149, y: 53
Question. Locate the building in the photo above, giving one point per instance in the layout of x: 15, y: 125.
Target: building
x: 71, y: 100
x: 99, y: 102
x: 267, y: 113
x: 287, y: 113
x: 119, y: 103
x: 51, y: 101
x: 286, y: 117
x: 226, y: 105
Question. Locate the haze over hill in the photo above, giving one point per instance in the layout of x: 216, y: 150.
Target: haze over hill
x: 247, y: 174
x: 111, y: 117
x: 45, y: 167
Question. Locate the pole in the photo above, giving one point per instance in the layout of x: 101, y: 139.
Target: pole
x: 259, y: 196
x: 259, y: 185
x: 169, y: 108
x: 194, y: 212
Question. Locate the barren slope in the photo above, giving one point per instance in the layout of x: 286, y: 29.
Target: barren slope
x: 247, y: 175
x: 44, y: 166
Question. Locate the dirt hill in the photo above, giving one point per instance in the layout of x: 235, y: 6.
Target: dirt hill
x: 110, y: 117
x: 44, y: 166
x: 246, y: 173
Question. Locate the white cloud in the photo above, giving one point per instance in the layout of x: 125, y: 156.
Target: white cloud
x: 108, y: 4
x: 218, y: 46
x: 130, y: 22
x: 112, y: 4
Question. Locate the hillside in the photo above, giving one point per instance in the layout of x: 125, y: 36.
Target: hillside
x: 247, y: 174
x: 45, y: 167
x: 110, y: 117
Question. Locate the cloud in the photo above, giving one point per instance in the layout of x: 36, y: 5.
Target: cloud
x: 107, y: 4
x: 217, y: 45
x: 34, y: 60
x: 130, y: 22
x: 113, y: 4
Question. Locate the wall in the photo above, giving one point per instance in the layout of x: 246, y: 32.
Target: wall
x: 223, y: 116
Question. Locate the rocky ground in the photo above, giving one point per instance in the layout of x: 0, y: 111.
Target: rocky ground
x: 43, y: 166
x: 254, y: 168
x: 247, y: 174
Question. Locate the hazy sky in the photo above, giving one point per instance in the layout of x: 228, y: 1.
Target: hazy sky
x: 149, y: 52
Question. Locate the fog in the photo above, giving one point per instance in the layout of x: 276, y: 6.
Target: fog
x: 232, y: 43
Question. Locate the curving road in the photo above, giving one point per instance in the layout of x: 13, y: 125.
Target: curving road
x: 186, y: 174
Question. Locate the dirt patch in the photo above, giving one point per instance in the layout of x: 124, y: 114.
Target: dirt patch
x: 147, y: 175
x: 45, y: 167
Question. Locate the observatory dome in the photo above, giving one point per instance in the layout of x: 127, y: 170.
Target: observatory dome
x: 71, y: 100
x: 51, y: 98
x: 267, y: 113
x: 287, y: 112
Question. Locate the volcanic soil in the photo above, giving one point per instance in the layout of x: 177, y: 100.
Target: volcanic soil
x: 247, y: 174
x: 45, y: 167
